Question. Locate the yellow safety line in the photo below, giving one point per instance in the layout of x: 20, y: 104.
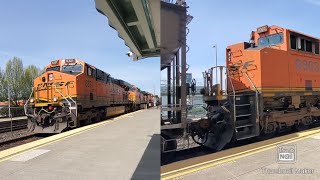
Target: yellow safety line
x: 15, y: 151
x: 211, y: 163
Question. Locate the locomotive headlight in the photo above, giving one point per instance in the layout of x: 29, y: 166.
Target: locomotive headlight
x: 50, y: 77
x: 32, y: 100
x: 55, y: 99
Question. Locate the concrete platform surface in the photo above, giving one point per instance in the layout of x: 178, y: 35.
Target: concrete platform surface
x: 128, y: 148
x: 294, y: 161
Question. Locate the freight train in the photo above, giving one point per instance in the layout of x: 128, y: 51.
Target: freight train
x: 72, y: 92
x: 267, y: 86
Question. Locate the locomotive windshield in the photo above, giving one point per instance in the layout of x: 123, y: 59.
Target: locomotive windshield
x: 271, y: 40
x: 72, y: 69
x: 132, y: 89
x: 57, y: 68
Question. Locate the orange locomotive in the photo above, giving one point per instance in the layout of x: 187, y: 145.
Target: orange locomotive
x: 71, y: 92
x: 272, y: 85
x: 148, y: 98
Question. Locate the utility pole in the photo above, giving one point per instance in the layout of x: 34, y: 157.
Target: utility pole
x: 9, y: 109
x: 216, y: 47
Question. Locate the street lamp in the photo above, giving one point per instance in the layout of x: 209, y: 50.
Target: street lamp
x: 216, y: 47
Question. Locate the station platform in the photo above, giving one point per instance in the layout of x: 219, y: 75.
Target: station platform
x: 294, y: 156
x: 125, y: 147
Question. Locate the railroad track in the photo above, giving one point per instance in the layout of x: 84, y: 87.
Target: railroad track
x: 193, y: 159
x: 5, y: 126
x: 202, y: 151
x: 19, y: 141
x: 197, y: 152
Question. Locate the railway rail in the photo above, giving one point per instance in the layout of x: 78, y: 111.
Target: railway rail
x: 26, y: 137
x: 198, y: 151
x: 16, y: 124
x: 19, y: 141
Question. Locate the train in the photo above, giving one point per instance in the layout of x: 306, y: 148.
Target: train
x: 71, y: 93
x: 267, y: 86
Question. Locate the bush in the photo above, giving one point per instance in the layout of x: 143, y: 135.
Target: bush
x: 15, y: 111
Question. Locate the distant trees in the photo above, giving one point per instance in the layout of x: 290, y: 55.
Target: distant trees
x: 18, y: 78
x: 1, y: 85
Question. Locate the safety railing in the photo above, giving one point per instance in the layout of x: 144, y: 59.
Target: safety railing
x: 212, y: 89
x: 27, y: 102
x: 217, y: 88
x: 256, y: 99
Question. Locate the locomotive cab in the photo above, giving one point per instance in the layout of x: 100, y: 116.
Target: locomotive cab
x: 53, y: 105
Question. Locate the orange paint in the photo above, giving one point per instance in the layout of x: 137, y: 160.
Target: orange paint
x: 275, y: 65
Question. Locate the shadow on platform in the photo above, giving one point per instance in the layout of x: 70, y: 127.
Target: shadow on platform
x: 149, y: 165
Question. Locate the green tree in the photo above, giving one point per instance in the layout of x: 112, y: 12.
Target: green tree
x: 2, y: 85
x: 14, y: 77
x: 19, y: 79
x: 30, y: 73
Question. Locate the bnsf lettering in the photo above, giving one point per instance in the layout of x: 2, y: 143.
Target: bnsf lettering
x: 248, y: 65
x: 307, y: 66
x: 57, y: 84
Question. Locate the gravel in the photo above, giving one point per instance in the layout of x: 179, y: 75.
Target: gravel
x: 183, y: 144
x: 14, y: 135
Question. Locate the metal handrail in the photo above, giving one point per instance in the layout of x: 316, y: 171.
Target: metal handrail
x: 234, y: 95
x: 69, y: 95
x: 55, y: 87
x: 211, y: 85
x: 257, y: 96
x: 165, y: 105
x: 25, y: 105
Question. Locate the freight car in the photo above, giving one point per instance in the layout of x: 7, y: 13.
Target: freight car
x: 148, y: 98
x: 71, y: 92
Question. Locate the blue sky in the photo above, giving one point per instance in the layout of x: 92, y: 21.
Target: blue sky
x: 229, y: 22
x: 39, y: 31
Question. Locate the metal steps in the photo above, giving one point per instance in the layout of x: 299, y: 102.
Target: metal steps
x: 244, y: 119
x: 241, y: 105
x: 243, y: 115
x: 241, y: 137
x: 243, y: 123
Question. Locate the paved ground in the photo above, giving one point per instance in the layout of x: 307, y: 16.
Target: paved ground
x: 265, y: 165
x: 128, y: 148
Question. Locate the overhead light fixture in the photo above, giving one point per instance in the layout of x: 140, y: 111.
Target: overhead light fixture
x: 189, y: 18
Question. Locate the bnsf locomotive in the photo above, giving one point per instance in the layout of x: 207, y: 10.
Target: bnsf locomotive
x: 71, y: 92
x: 272, y: 85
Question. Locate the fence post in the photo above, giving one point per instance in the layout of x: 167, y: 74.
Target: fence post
x: 9, y: 110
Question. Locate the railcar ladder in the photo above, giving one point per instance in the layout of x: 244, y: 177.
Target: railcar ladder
x: 245, y: 112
